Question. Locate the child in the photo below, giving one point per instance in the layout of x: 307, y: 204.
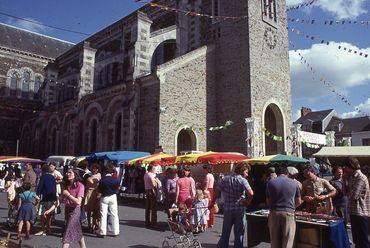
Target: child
x: 201, y: 210
x: 184, y: 216
x: 25, y: 209
x: 10, y: 190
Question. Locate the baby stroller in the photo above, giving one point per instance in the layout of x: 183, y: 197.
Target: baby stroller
x: 181, y: 236
x: 12, y: 216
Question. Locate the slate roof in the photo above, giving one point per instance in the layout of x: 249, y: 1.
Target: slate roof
x: 357, y: 124
x: 315, y: 116
x: 26, y: 41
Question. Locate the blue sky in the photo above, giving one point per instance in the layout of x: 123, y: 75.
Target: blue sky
x: 348, y: 73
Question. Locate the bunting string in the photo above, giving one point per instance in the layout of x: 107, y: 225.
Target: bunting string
x: 190, y: 13
x: 330, y: 22
x: 342, y: 48
x: 325, y: 82
x: 302, y: 5
x: 281, y: 139
x: 227, y: 124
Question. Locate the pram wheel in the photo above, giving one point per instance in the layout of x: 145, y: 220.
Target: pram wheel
x: 196, y: 244
x: 165, y: 244
x: 12, y: 217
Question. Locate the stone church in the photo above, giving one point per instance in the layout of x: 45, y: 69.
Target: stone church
x: 160, y: 78
x: 23, y: 57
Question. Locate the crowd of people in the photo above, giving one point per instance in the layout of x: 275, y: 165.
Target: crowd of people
x: 91, y: 194
x: 181, y: 192
x: 86, y: 194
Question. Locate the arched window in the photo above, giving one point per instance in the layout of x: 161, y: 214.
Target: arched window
x: 54, y: 141
x: 37, y: 83
x: 26, y: 84
x: 13, y: 83
x: 93, y: 135
x: 26, y: 81
x: 117, y: 132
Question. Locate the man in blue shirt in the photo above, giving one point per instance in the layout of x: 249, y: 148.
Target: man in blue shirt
x: 283, y: 196
x: 108, y: 188
x: 237, y: 195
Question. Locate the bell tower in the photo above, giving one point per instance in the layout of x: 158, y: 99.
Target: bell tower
x: 252, y: 74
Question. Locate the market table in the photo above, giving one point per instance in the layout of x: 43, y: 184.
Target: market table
x: 308, y: 233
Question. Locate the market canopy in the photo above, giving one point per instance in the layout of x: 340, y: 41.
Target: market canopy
x: 119, y: 156
x: 221, y: 158
x: 148, y: 159
x: 277, y: 158
x: 343, y: 151
x: 337, y: 155
x: 20, y: 160
x: 191, y: 158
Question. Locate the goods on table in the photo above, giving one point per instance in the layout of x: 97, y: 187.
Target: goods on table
x: 300, y: 215
x: 320, y: 218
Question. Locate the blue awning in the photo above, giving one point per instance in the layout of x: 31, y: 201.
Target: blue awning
x: 119, y: 156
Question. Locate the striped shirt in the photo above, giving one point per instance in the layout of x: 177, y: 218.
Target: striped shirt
x: 233, y: 189
x: 359, y: 194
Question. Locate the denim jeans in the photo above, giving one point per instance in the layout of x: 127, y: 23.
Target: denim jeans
x: 237, y: 219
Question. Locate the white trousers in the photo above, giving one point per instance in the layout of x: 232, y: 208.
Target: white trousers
x: 108, y: 206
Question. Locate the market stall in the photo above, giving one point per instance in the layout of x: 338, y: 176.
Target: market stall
x: 336, y: 155
x: 312, y: 230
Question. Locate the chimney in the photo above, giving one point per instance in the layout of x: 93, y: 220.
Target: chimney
x: 305, y: 111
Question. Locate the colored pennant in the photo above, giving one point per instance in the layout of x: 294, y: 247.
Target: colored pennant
x: 325, y: 82
x: 310, y: 37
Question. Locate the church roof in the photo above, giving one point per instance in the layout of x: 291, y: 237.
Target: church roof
x: 30, y: 42
x: 315, y: 116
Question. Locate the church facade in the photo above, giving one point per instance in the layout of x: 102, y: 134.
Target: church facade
x: 23, y: 57
x: 160, y: 78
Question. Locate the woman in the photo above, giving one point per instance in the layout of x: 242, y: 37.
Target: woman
x: 72, y: 197
x: 91, y: 200
x: 184, y: 189
x: 209, y: 181
x: 171, y: 190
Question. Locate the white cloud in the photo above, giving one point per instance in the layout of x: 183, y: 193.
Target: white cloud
x: 341, y: 9
x: 294, y: 2
x: 341, y: 68
x: 364, y: 107
x: 30, y: 25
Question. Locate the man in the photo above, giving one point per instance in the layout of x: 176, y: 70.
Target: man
x: 359, y: 202
x: 46, y: 189
x: 340, y: 200
x: 150, y: 184
x: 317, y: 193
x: 237, y: 195
x: 30, y: 177
x: 283, y: 196
x: 108, y: 189
x: 58, y: 177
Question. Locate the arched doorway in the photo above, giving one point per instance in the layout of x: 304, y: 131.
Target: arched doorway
x: 274, y: 123
x: 164, y: 52
x: 186, y: 141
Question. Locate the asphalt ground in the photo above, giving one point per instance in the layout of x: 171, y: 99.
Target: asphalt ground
x: 133, y: 233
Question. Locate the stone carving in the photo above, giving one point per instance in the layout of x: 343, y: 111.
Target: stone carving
x: 270, y: 37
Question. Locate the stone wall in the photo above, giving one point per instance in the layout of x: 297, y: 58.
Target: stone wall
x: 148, y: 114
x: 183, y: 98
x: 232, y: 78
